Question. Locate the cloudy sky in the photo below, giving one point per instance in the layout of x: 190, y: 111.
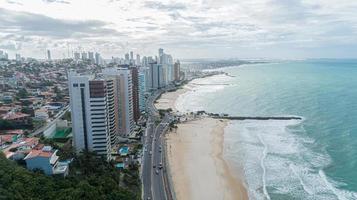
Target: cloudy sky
x: 186, y: 29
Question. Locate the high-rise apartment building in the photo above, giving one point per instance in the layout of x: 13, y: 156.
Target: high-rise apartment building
x: 135, y: 88
x: 90, y: 110
x: 127, y: 59
x: 124, y: 98
x: 77, y: 56
x: 161, y: 53
x: 84, y: 56
x: 131, y: 57
x: 166, y: 61
x: 91, y: 56
x: 18, y: 57
x: 177, y: 71
x: 155, y: 76
x: 142, y: 88
x: 138, y: 61
x: 48, y: 54
x: 97, y: 58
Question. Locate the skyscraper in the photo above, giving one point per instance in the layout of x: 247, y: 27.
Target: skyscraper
x: 144, y: 62
x: 137, y: 60
x: 84, y: 56
x: 91, y: 56
x: 77, y: 56
x: 155, y: 76
x: 177, y: 70
x: 89, y: 111
x: 18, y: 57
x: 97, y: 58
x: 161, y: 53
x: 124, y: 98
x: 127, y: 59
x: 166, y: 61
x: 3, y: 55
x: 142, y: 88
x: 135, y: 88
x: 131, y: 57
x: 48, y: 54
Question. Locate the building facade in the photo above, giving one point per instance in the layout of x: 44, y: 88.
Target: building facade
x: 135, y: 87
x: 89, y: 110
x: 142, y: 89
x: 177, y: 71
x: 155, y: 76
x: 124, y: 97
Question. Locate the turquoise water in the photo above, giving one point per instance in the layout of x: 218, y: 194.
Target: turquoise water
x: 311, y: 159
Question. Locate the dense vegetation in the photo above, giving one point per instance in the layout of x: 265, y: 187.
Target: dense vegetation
x: 90, y: 178
x: 5, y: 125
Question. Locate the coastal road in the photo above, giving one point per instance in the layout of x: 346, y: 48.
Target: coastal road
x: 147, y: 161
x: 155, y: 184
x: 159, y: 186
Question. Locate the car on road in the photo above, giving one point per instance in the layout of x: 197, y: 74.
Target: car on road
x: 157, y: 171
x: 154, y: 166
x: 150, y: 152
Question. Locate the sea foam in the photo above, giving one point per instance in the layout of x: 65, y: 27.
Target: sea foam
x: 275, y: 161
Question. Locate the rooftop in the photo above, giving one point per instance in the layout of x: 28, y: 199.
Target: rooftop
x: 39, y: 153
x: 13, y: 115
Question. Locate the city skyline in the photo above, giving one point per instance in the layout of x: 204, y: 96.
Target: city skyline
x: 191, y: 29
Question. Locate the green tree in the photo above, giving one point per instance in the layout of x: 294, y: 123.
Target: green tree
x: 22, y: 93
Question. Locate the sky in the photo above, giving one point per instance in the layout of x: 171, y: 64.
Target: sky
x: 188, y: 29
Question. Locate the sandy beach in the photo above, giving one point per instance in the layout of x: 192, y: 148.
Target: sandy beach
x: 168, y: 99
x: 197, y: 167
x: 195, y: 155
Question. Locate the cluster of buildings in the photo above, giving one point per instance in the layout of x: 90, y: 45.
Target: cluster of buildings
x: 3, y: 55
x: 106, y: 101
x: 106, y: 106
x: 93, y: 57
x: 35, y: 155
x: 31, y: 92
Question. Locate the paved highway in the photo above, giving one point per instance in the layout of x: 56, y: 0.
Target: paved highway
x: 154, y: 178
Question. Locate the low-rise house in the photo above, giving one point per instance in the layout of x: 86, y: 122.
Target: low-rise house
x: 19, y: 149
x: 17, y: 118
x: 5, y: 109
x: 41, y: 114
x: 46, y: 160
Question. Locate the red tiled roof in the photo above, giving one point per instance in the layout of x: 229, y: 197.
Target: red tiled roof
x: 6, y: 138
x: 5, y: 108
x: 39, y: 146
x: 38, y: 153
x: 11, y: 116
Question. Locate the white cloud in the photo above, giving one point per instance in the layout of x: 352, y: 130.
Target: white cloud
x: 199, y: 28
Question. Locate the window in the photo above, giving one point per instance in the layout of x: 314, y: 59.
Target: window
x: 75, y: 84
x: 82, y: 85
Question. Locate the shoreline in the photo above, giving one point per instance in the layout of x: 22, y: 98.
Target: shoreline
x: 195, y: 157
x: 198, y: 169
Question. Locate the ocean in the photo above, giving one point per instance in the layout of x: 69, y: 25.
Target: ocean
x: 313, y: 158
